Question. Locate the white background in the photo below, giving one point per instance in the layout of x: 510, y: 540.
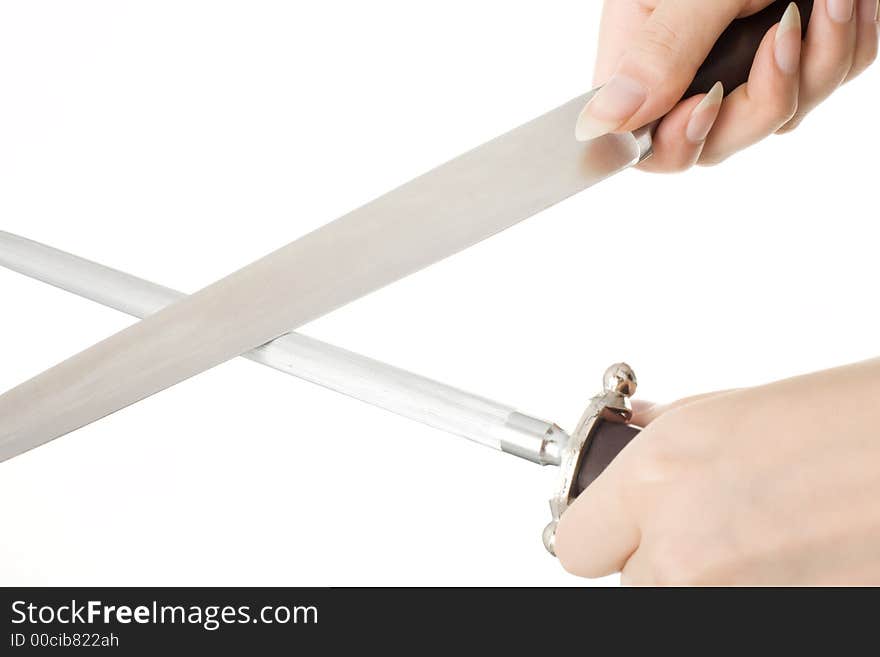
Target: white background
x: 182, y: 140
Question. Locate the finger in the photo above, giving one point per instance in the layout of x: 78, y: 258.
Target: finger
x: 827, y: 54
x: 658, y: 66
x: 598, y: 533
x: 768, y: 100
x: 679, y: 139
x: 645, y: 412
x: 868, y: 28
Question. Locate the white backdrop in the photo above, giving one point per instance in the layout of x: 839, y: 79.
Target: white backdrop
x: 182, y: 140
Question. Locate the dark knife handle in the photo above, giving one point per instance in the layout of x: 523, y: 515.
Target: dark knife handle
x: 606, y: 441
x: 731, y: 59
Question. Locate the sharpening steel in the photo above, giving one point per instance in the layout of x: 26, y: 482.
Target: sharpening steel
x: 412, y: 396
x: 599, y: 437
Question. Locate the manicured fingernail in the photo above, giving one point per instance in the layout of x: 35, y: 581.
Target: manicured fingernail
x: 704, y: 115
x: 788, y: 41
x: 841, y: 11
x: 609, y: 109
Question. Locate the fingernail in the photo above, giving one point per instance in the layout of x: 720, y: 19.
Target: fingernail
x: 788, y: 41
x: 841, y: 11
x: 609, y: 109
x: 704, y: 115
x: 877, y: 13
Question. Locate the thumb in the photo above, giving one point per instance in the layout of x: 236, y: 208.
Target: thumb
x: 658, y: 67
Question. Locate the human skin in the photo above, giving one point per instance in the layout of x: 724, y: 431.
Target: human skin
x: 773, y: 485
x: 650, y: 50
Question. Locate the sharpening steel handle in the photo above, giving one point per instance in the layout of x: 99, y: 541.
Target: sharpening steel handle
x: 605, y: 444
x: 731, y: 59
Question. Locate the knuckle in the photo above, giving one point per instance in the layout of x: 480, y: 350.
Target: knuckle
x: 752, y: 6
x: 658, y: 463
x: 672, y: 423
x: 658, y: 56
x: 660, y: 39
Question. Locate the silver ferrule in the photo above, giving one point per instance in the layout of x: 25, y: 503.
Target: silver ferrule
x: 532, y: 439
x: 645, y: 140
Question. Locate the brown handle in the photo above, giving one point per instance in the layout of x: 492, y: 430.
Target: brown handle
x: 605, y: 444
x: 731, y: 59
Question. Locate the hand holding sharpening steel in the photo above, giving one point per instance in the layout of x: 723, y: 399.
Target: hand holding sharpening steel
x: 442, y: 212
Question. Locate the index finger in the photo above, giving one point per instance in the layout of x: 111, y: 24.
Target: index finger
x: 598, y: 532
x: 660, y: 63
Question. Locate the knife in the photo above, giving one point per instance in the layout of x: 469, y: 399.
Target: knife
x: 433, y: 216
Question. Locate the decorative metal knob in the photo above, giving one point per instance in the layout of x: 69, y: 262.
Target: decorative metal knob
x: 621, y: 379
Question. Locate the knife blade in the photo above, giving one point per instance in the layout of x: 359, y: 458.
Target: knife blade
x: 442, y: 212
x: 435, y: 215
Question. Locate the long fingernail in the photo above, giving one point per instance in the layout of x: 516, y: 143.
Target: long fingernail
x: 841, y: 11
x: 788, y: 41
x: 704, y: 115
x: 609, y: 109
